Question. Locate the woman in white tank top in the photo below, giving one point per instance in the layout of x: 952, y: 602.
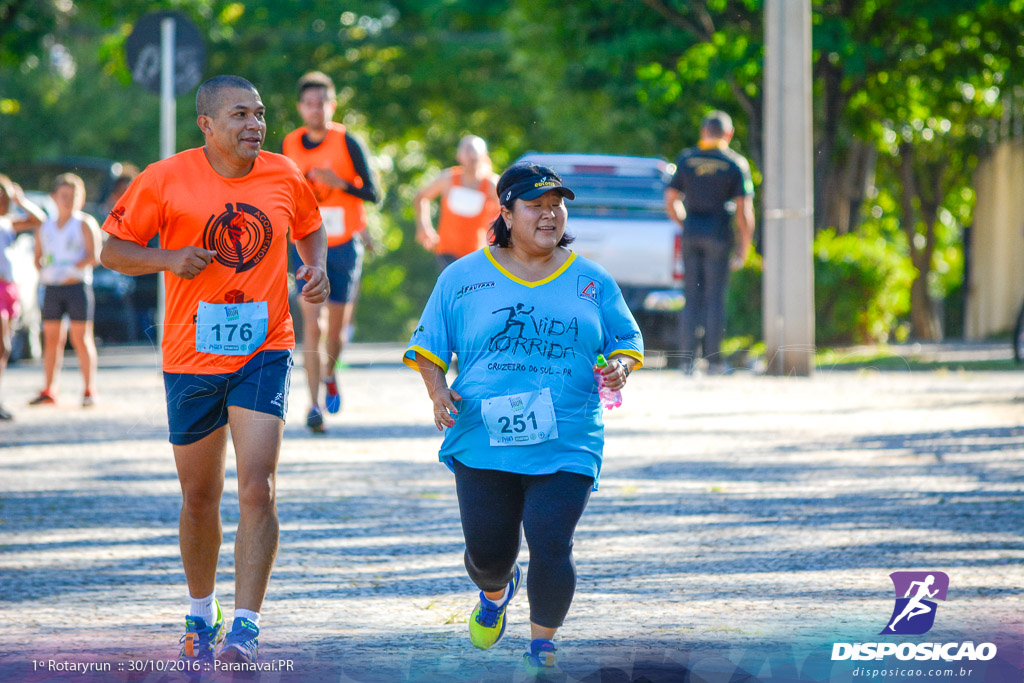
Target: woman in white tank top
x: 67, y: 247
x: 64, y: 248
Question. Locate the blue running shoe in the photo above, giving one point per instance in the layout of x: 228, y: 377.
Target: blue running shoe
x: 200, y: 638
x: 333, y: 395
x: 315, y: 420
x: 487, y: 623
x: 540, y: 661
x: 241, y: 645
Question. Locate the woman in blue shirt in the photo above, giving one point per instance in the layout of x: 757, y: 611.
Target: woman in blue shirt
x: 527, y: 317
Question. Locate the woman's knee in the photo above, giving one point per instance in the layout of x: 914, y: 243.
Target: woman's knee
x: 555, y: 548
x: 490, y: 570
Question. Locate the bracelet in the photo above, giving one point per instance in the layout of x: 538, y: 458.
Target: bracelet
x: 625, y: 367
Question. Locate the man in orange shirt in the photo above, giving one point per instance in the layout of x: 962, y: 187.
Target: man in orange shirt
x: 469, y: 204
x: 335, y: 164
x: 223, y: 213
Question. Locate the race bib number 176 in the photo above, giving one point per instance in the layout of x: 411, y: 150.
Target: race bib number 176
x: 231, y: 329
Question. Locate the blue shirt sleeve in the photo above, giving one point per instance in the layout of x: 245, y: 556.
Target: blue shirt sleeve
x: 621, y: 333
x: 434, y: 332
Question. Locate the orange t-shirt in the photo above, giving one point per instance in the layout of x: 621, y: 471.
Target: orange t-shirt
x: 246, y: 220
x: 466, y: 214
x: 346, y: 214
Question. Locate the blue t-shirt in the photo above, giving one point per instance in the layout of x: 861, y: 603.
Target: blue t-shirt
x: 514, y: 337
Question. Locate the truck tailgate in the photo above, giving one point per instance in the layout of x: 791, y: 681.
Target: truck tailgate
x: 636, y: 252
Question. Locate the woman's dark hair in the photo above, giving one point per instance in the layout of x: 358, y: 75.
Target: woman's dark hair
x: 501, y: 235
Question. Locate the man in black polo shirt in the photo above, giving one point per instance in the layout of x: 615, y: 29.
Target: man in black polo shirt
x: 711, y: 183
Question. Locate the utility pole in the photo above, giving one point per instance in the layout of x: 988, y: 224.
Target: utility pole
x: 788, y: 304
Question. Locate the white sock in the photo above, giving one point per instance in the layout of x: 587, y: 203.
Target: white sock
x: 503, y: 599
x: 254, y: 617
x: 204, y: 607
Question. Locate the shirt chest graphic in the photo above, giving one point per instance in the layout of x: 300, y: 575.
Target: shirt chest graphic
x: 521, y: 330
x: 241, y: 235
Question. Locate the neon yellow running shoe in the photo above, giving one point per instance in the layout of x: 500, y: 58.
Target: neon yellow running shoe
x: 200, y: 637
x: 487, y: 623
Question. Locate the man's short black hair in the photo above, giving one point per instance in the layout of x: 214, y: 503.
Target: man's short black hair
x: 317, y: 79
x: 717, y: 124
x: 208, y: 95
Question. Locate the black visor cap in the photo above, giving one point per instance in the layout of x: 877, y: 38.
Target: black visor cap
x: 531, y: 188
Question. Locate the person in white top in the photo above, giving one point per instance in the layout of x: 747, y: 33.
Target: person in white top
x: 67, y: 247
x: 10, y: 226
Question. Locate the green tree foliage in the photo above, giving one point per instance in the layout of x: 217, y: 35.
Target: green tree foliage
x: 904, y: 91
x: 927, y: 109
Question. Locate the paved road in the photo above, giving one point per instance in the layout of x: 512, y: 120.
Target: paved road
x: 744, y: 524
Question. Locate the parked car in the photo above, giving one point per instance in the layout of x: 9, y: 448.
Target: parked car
x: 619, y: 221
x: 98, y: 175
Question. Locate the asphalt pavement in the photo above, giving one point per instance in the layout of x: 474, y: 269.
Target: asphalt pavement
x: 744, y: 525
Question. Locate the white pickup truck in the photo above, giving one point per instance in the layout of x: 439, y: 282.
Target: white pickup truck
x: 619, y: 221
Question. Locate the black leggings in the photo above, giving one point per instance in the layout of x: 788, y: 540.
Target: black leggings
x: 497, y: 506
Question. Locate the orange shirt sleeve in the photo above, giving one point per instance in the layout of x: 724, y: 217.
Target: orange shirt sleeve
x: 307, y: 210
x: 138, y: 215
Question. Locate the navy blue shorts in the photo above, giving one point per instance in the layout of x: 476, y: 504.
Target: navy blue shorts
x: 197, y: 405
x: 344, y: 267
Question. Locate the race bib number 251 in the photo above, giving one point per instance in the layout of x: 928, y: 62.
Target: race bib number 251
x: 520, y: 419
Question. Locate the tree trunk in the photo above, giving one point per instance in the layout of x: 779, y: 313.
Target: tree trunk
x: 824, y: 162
x: 924, y: 324
x: 858, y: 181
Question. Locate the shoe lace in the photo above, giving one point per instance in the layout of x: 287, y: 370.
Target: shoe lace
x: 489, y: 613
x: 188, y: 643
x: 195, y: 641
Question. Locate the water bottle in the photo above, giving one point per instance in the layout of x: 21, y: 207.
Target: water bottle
x: 610, y: 398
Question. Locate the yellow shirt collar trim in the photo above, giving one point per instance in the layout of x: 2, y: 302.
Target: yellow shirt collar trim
x: 538, y: 283
x: 712, y: 144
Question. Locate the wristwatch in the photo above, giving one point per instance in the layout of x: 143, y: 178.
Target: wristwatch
x: 625, y: 367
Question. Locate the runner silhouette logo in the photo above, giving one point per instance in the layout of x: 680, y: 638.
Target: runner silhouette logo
x: 916, y: 592
x: 241, y: 235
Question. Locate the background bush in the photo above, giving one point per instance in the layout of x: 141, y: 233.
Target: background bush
x: 861, y: 291
x: 743, y: 308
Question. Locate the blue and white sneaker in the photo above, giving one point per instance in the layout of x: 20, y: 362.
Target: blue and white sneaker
x: 200, y: 637
x: 242, y: 643
x: 487, y: 623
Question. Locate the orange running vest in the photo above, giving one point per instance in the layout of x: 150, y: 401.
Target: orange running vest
x: 460, y: 234
x: 344, y: 214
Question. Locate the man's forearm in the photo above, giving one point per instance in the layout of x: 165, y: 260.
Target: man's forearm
x: 131, y: 258
x: 674, y: 207
x: 313, y: 248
